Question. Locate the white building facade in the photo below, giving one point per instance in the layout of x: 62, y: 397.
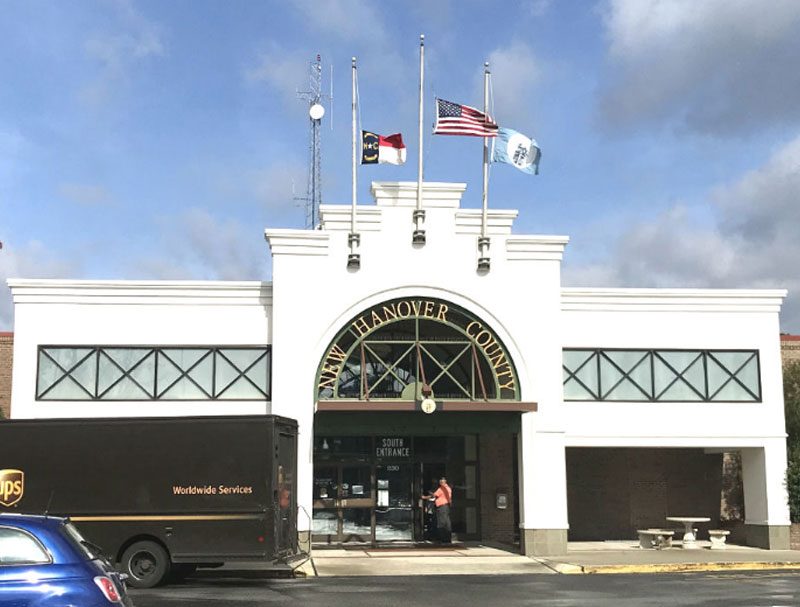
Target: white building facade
x: 546, y: 400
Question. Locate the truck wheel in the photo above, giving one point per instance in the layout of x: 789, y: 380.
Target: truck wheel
x: 146, y: 563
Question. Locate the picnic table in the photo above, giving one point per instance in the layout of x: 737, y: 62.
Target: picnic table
x: 689, y: 537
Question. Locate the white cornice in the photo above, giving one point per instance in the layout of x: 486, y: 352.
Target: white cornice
x: 498, y: 222
x: 673, y: 300
x: 523, y: 248
x: 671, y: 440
x: 141, y: 292
x: 297, y: 242
x: 404, y: 194
x: 337, y: 218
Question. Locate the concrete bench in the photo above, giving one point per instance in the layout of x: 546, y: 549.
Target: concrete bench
x: 655, y: 538
x: 718, y: 537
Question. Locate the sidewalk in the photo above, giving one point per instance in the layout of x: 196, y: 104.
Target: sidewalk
x: 581, y: 557
x: 627, y: 557
x: 459, y: 560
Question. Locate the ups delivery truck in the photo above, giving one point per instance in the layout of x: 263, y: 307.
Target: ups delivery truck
x: 160, y: 495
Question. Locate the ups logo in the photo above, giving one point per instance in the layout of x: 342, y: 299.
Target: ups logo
x: 12, y: 486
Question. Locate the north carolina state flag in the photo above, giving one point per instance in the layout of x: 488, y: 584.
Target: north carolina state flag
x: 379, y: 149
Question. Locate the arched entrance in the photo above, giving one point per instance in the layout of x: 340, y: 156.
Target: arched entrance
x: 405, y: 392
x: 390, y: 351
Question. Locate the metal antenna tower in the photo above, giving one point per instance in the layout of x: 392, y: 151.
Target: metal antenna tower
x: 316, y: 111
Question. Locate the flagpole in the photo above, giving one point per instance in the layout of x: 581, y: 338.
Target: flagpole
x: 418, y: 237
x: 483, y: 241
x: 353, y: 240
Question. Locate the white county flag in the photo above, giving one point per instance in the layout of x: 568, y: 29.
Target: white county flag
x: 517, y: 150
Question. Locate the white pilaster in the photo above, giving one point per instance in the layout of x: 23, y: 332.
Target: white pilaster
x: 543, y: 491
x: 765, y: 498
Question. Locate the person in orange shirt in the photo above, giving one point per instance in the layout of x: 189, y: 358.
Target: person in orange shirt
x: 443, y: 499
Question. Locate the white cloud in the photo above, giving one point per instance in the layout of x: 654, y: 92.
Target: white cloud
x: 515, y: 72
x: 29, y: 260
x: 752, y: 242
x: 644, y: 26
x: 358, y: 23
x: 277, y: 185
x: 86, y: 194
x: 538, y: 8
x: 284, y: 72
x: 15, y: 150
x: 118, y: 50
x: 197, y: 245
x: 387, y: 69
x: 350, y: 20
x: 201, y: 245
x: 273, y: 187
x: 762, y: 207
x: 717, y: 66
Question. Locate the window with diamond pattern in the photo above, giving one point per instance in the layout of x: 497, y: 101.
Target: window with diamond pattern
x: 153, y: 373
x: 661, y: 375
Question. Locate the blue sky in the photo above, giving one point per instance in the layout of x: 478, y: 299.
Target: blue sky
x: 157, y: 139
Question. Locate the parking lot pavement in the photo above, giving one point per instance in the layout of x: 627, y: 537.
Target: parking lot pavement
x: 742, y: 589
x: 581, y: 557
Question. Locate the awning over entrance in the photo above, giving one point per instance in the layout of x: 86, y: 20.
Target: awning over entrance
x: 355, y: 405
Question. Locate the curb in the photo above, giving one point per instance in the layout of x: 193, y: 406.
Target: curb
x: 572, y: 569
x: 565, y: 568
x: 306, y: 569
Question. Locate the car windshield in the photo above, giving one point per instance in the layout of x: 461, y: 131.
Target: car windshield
x: 91, y: 551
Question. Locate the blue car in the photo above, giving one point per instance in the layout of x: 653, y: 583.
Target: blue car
x: 45, y: 562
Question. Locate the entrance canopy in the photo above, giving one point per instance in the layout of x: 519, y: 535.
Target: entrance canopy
x: 396, y: 350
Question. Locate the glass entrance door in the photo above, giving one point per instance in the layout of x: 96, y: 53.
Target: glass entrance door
x: 356, y: 500
x: 368, y: 490
x: 343, y: 503
x: 427, y: 481
x: 325, y: 522
x: 394, y: 504
x: 455, y: 458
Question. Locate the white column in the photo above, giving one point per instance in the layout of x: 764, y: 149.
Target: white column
x: 765, y: 500
x: 292, y: 376
x: 543, y: 489
x: 289, y: 405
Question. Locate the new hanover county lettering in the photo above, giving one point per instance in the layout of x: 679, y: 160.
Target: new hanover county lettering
x: 372, y: 320
x: 402, y: 309
x: 419, y: 308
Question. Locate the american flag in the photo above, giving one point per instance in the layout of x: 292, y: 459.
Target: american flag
x: 456, y: 119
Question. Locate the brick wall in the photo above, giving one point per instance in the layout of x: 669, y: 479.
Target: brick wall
x: 613, y: 492
x: 790, y: 348
x: 6, y: 356
x: 497, y: 454
x: 794, y: 536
